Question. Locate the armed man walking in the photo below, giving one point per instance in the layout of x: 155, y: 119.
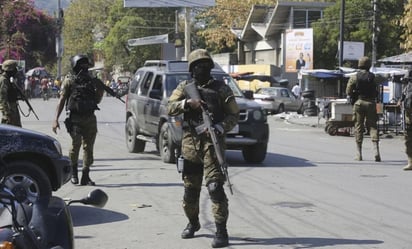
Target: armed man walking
x: 81, y: 95
x: 364, y: 88
x: 406, y: 99
x: 200, y: 158
x: 9, y: 94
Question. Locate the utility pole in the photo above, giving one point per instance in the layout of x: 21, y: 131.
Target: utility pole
x: 341, y: 33
x: 374, y: 35
x: 59, y: 39
x: 187, y: 31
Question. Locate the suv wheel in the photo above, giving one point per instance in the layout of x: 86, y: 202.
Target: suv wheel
x: 166, y: 145
x: 255, y: 153
x: 134, y: 145
x: 27, y: 181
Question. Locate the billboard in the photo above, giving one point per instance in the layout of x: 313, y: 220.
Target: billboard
x: 299, y: 50
x: 168, y: 3
x: 353, y: 50
x: 156, y: 39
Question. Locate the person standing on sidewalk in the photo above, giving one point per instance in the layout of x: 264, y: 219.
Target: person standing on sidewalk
x: 406, y: 99
x: 9, y: 95
x: 81, y: 96
x: 363, y: 86
x: 197, y: 149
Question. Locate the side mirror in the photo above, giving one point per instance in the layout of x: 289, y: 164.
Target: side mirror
x: 248, y: 94
x: 97, y: 198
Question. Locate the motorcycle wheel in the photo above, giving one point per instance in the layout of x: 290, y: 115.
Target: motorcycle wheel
x: 27, y: 181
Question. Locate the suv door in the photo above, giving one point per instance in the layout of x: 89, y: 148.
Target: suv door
x: 142, y: 101
x: 152, y: 112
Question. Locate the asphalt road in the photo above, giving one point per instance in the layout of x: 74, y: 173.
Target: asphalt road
x: 308, y: 193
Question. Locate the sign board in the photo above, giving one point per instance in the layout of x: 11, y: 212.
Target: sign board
x: 156, y: 39
x: 353, y: 50
x: 169, y: 3
x: 299, y: 49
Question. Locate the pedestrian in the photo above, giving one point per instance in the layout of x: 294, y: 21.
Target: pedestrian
x: 197, y: 149
x: 27, y: 87
x: 81, y: 95
x: 363, y: 87
x: 9, y: 94
x: 406, y: 99
x: 296, y: 90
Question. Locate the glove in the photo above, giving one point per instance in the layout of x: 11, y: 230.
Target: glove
x: 219, y: 129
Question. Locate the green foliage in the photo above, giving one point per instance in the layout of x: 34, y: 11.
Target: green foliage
x: 26, y: 34
x: 357, y: 27
x: 406, y: 23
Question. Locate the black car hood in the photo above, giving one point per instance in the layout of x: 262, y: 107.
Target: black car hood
x: 16, y: 139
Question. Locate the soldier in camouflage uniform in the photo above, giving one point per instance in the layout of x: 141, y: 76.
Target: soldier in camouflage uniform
x: 199, y: 156
x: 364, y: 86
x: 407, y: 105
x: 81, y: 96
x: 9, y: 94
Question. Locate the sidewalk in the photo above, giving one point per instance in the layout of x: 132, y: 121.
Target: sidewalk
x: 294, y: 118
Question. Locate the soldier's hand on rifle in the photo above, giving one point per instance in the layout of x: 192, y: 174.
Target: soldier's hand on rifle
x: 55, y: 126
x: 194, y: 103
x: 219, y: 129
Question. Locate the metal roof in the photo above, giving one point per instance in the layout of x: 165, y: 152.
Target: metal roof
x: 266, y: 21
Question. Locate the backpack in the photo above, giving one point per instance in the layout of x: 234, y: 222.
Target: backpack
x: 82, y: 99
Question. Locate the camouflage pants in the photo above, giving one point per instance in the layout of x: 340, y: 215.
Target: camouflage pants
x: 195, y: 150
x: 408, y: 133
x: 84, y: 132
x: 364, y: 112
x: 13, y: 117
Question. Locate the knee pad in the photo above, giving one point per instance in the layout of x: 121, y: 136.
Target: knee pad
x: 191, y: 195
x: 216, y: 191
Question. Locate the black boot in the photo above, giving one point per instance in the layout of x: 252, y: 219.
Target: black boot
x: 221, y: 237
x: 86, y: 179
x: 75, y: 177
x: 191, y: 228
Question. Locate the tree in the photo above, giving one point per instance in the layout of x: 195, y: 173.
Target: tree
x: 83, y: 27
x: 218, y: 21
x: 406, y: 23
x: 26, y: 34
x: 357, y: 27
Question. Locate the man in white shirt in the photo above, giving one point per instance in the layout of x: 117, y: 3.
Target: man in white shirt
x: 296, y: 90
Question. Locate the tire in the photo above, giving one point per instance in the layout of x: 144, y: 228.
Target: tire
x: 255, y: 153
x: 281, y: 109
x: 166, y: 145
x: 134, y: 145
x: 27, y: 181
x: 332, y: 130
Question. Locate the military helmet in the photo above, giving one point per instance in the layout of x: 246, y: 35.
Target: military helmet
x: 199, y: 55
x: 77, y: 58
x: 364, y: 63
x: 9, y: 65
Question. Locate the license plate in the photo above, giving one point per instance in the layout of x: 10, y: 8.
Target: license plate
x: 235, y: 130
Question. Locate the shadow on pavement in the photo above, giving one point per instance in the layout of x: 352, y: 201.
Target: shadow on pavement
x: 235, y: 159
x: 302, y: 242
x: 84, y: 216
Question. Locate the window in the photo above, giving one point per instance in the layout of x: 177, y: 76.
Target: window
x: 304, y: 18
x: 135, y: 82
x: 144, y: 86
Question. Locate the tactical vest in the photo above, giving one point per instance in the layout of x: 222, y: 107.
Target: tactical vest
x: 408, y: 97
x: 12, y: 94
x: 209, y: 94
x: 366, y: 85
x: 82, y: 99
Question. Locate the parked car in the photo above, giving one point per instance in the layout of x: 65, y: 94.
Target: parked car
x: 277, y: 100
x: 147, y: 119
x: 35, y: 165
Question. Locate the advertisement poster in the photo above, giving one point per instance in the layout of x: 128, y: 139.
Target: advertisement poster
x: 299, y: 50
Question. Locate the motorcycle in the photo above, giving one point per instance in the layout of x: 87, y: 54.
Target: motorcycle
x: 44, y: 224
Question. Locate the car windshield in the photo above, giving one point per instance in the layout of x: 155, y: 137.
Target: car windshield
x: 268, y: 91
x: 172, y: 80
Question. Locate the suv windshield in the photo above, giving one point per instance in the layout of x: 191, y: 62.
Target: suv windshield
x: 172, y: 80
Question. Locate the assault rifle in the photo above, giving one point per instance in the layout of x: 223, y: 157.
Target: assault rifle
x: 110, y: 91
x: 24, y: 98
x: 192, y: 91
